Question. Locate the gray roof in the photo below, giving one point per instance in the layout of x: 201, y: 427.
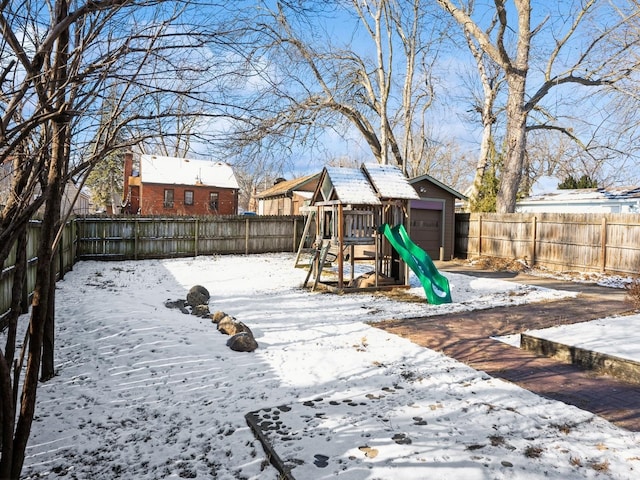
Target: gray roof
x: 349, y: 186
x: 390, y: 182
x: 438, y: 183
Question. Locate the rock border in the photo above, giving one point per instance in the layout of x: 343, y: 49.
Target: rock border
x: 197, y: 303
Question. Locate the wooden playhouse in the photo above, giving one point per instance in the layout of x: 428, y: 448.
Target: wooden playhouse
x: 349, y: 207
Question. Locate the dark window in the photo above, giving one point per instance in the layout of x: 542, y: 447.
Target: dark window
x: 168, y: 197
x: 213, y: 201
x: 188, y: 197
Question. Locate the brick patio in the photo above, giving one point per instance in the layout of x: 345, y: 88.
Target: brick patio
x: 467, y: 337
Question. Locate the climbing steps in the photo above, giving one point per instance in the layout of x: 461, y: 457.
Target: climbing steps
x: 319, y: 259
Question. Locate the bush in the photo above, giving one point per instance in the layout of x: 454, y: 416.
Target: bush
x: 633, y: 292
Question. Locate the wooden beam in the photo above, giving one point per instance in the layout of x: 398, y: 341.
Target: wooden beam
x: 340, y: 244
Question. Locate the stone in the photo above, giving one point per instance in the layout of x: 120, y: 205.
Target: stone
x: 201, y: 311
x: 230, y: 326
x: 178, y: 304
x: 226, y: 325
x: 217, y: 316
x: 368, y: 280
x: 241, y: 327
x: 198, y: 295
x: 242, y: 342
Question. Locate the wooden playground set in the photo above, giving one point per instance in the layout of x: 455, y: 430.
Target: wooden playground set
x: 360, y: 216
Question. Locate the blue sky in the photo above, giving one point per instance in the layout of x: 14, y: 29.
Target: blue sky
x: 448, y: 118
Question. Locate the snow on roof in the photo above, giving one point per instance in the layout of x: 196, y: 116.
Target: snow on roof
x: 185, y: 171
x: 567, y: 194
x: 349, y: 185
x: 389, y: 181
x: 581, y: 194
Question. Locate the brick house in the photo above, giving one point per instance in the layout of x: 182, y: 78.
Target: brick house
x: 179, y: 186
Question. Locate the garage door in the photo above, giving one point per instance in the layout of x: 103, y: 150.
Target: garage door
x: 426, y: 230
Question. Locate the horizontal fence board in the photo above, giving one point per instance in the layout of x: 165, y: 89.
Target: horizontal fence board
x: 562, y: 242
x: 66, y: 257
x: 167, y: 237
x: 588, y: 242
x: 132, y: 238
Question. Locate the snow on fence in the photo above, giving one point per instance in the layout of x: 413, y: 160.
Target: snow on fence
x: 560, y: 242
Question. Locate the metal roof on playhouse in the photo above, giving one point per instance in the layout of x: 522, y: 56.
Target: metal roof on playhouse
x: 368, y: 185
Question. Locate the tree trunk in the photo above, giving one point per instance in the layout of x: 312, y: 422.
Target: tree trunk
x: 490, y: 79
x: 48, y: 339
x: 516, y: 140
x: 7, y: 400
x: 44, y: 291
x: 17, y: 293
x: 43, y: 298
x: 39, y: 309
x: 483, y: 161
x: 60, y: 154
x: 516, y: 70
x: 7, y: 416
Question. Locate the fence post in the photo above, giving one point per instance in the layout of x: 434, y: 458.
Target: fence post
x: 136, y: 222
x: 479, y: 235
x: 534, y: 229
x: 246, y: 236
x: 196, y: 239
x: 104, y: 237
x: 603, y: 245
x: 61, y: 255
x: 295, y: 234
x: 73, y: 239
x: 25, y: 293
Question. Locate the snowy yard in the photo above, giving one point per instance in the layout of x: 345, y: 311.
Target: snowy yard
x: 146, y: 392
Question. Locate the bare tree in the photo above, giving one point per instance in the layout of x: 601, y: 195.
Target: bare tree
x: 76, y: 79
x: 491, y: 80
x: 173, y: 134
x: 593, y: 21
x: 309, y: 85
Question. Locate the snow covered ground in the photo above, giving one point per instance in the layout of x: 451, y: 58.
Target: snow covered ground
x: 612, y: 336
x: 146, y: 392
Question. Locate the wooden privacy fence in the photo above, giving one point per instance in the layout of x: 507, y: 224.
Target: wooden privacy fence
x: 560, y: 242
x: 66, y: 257
x: 134, y: 238
x: 586, y: 242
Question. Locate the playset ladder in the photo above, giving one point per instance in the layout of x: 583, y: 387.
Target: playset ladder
x: 304, y: 238
x: 317, y: 262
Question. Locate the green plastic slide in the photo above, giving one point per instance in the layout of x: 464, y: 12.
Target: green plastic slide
x: 436, y: 285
